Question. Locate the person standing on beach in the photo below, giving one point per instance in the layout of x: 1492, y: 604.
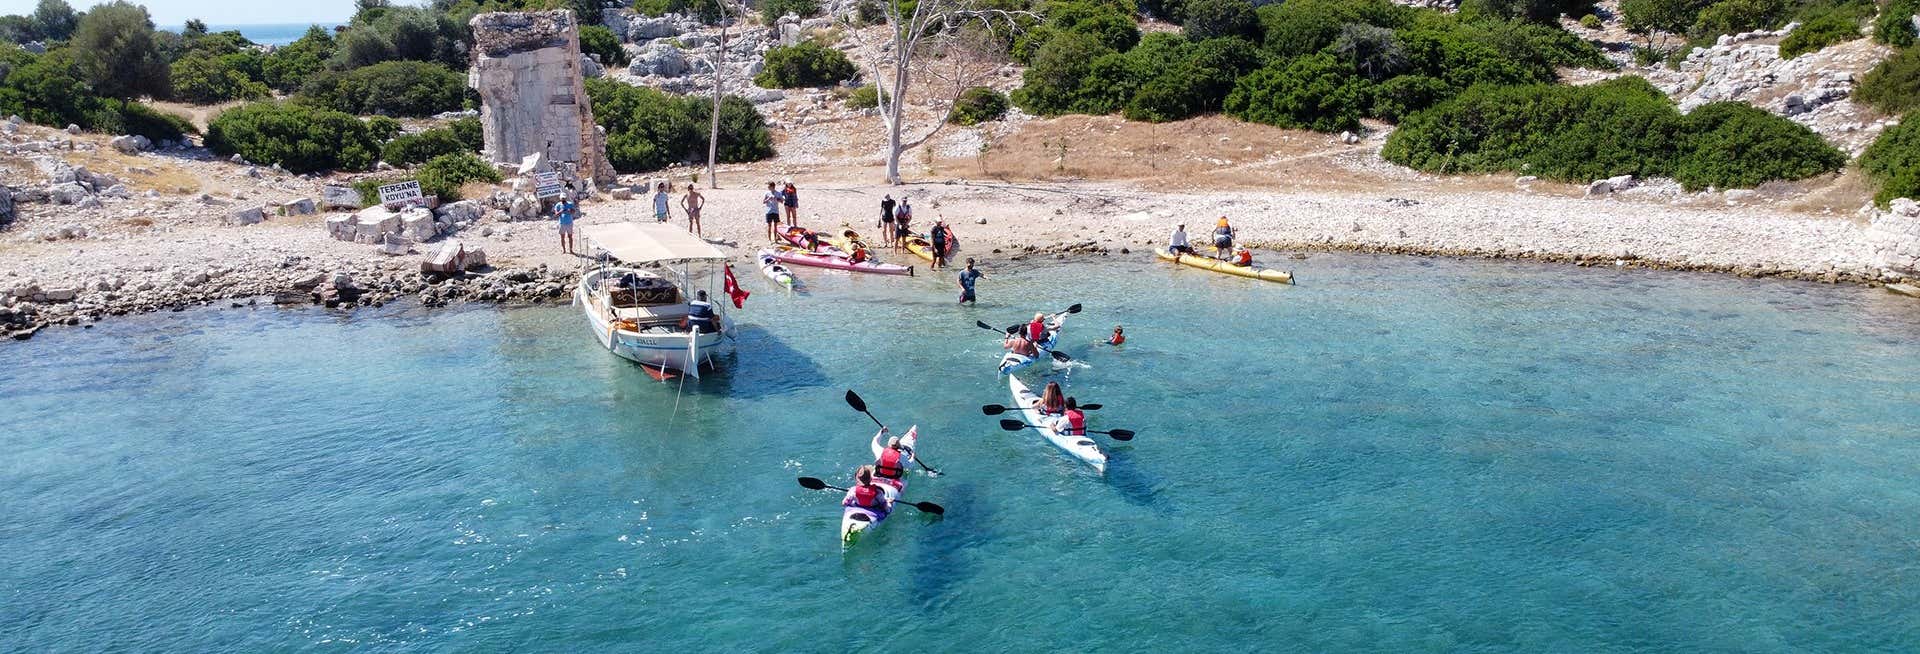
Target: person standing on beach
x: 902, y: 221
x: 692, y: 203
x: 939, y: 237
x: 886, y: 220
x: 967, y: 278
x: 660, y: 203
x: 791, y: 196
x: 565, y: 210
x: 772, y: 200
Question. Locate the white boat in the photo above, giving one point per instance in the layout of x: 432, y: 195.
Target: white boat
x: 775, y: 270
x: 854, y: 520
x: 1012, y: 361
x: 638, y: 308
x: 1080, y: 447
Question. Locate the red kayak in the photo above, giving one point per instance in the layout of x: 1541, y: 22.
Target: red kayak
x: 797, y: 236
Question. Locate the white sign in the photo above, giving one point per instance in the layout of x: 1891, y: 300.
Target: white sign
x: 401, y: 193
x: 547, y: 185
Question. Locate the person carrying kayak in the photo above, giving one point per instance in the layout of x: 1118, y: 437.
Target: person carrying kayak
x: 893, y: 460
x: 865, y: 494
x: 1052, y: 402
x: 1178, y: 244
x: 1017, y: 343
x: 1222, y: 239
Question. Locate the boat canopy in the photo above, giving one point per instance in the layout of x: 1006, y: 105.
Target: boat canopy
x: 640, y: 244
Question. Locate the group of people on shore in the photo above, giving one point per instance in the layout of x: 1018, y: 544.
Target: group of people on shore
x: 1223, y: 234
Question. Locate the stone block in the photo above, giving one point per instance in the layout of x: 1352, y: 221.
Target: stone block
x: 462, y: 211
x: 373, y: 222
x: 417, y: 224
x: 247, y: 216
x: 300, y: 207
x: 67, y: 193
x: 339, y: 197
x: 342, y: 227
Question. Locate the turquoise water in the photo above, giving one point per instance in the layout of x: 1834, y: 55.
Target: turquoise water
x: 274, y: 33
x: 1412, y: 455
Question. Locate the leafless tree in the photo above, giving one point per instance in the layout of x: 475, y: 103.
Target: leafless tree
x: 953, y: 44
x: 717, y: 63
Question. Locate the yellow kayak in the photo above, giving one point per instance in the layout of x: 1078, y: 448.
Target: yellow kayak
x: 1216, y: 265
x: 847, y: 240
x: 920, y: 246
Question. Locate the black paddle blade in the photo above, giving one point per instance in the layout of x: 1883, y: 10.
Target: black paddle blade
x: 1060, y: 356
x: 992, y: 409
x: 1091, y: 407
x: 854, y: 401
x: 811, y: 483
x: 1009, y: 425
x: 1073, y: 309
x: 929, y: 507
x: 983, y: 325
x: 1121, y: 434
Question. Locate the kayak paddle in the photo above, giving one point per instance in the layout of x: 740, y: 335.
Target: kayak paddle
x: 811, y: 483
x: 995, y: 409
x: 853, y: 400
x: 1117, y: 434
x: 1056, y: 354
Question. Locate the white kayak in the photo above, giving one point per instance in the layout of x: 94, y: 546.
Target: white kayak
x: 1080, y: 447
x: 1012, y: 361
x: 854, y: 520
x: 775, y: 270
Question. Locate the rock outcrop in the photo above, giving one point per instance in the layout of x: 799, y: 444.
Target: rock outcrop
x: 533, y: 96
x: 1811, y: 89
x: 1894, y: 237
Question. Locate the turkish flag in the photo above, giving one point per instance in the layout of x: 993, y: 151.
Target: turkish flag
x: 734, y: 291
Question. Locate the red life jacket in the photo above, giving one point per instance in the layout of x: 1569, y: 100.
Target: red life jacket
x: 1076, y: 422
x: 889, y: 465
x: 867, y: 496
x: 1117, y: 339
x: 1036, y: 331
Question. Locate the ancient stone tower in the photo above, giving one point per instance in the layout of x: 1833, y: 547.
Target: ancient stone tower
x: 526, y: 67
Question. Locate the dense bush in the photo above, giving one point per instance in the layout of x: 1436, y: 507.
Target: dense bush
x: 1373, y: 51
x: 1590, y: 21
x: 382, y: 128
x: 442, y: 176
x: 414, y: 149
x: 1397, y: 98
x: 1893, y: 86
x: 1207, y: 19
x: 1539, y: 11
x: 1895, y: 25
x: 117, y: 53
x: 772, y: 10
x: 200, y: 78
x: 298, y: 137
x: 804, y: 64
x: 1172, y: 11
x: 1893, y: 161
x: 401, y: 33
x: 469, y: 133
x: 51, y: 20
x: 1302, y: 27
x: 47, y: 90
x: 1053, y: 80
x: 1820, y: 32
x: 1624, y: 126
x: 864, y: 97
x: 598, y: 40
x: 1109, y: 25
x: 393, y: 88
x: 1319, y: 92
x: 288, y: 67
x: 1736, y: 16
x: 648, y: 129
x: 706, y: 11
x: 978, y: 105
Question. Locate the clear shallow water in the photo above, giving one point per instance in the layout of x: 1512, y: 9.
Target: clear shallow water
x: 1411, y: 455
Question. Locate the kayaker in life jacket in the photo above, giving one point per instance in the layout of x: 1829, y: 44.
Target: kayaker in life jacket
x: 1037, y: 330
x: 1075, y: 419
x: 1119, y: 336
x: 1017, y: 343
x: 893, y: 460
x: 865, y: 494
x: 1052, y: 402
x: 1242, y: 257
x: 859, y: 255
x: 1222, y: 239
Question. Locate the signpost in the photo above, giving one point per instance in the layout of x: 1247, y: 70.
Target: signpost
x: 401, y: 193
x: 548, y: 185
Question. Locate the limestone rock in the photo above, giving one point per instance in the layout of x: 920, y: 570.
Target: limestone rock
x: 6, y: 206
x: 535, y: 55
x: 339, y: 197
x: 459, y: 212
x: 454, y: 256
x: 644, y: 28
x: 131, y: 143
x: 659, y: 59
x: 247, y: 216
x: 590, y: 66
x: 300, y: 207
x: 119, y: 191
x: 416, y: 224
x: 524, y: 208
x: 67, y: 193
x: 1893, y: 238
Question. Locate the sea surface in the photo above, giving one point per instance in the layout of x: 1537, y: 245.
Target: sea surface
x: 1398, y: 454
x: 274, y: 34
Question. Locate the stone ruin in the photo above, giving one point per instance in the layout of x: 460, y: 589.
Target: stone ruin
x: 533, y: 98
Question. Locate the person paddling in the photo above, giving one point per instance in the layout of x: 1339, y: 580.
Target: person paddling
x: 893, y: 460
x: 1037, y: 330
x: 865, y: 494
x: 1178, y: 244
x: 1222, y: 239
x: 1052, y: 402
x: 1075, y: 419
x: 1017, y: 343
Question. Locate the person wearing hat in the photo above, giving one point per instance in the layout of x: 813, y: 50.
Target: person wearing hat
x: 1222, y: 239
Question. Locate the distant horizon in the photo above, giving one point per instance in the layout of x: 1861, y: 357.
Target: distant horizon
x: 172, y: 14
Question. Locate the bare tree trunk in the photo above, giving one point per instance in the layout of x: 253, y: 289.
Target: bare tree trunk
x: 896, y: 112
x: 713, y: 131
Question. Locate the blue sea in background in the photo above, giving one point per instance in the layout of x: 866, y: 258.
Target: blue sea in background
x: 275, y: 34
x: 1398, y: 454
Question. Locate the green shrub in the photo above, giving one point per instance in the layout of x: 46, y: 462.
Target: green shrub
x: 1648, y: 56
x: 392, y: 88
x: 1672, y: 16
x: 1894, y: 27
x: 648, y: 129
x: 1590, y: 21
x: 442, y: 176
x: 299, y: 138
x: 1301, y: 27
x: 1317, y: 92
x: 978, y: 105
x: 414, y: 149
x: 772, y: 10
x: 382, y: 128
x: 598, y: 40
x: 1893, y: 161
x: 200, y: 78
x: 706, y: 11
x: 1399, y: 97
x: 1893, y: 86
x: 1207, y: 19
x: 1107, y: 23
x: 1052, y: 82
x: 803, y: 65
x: 864, y: 97
x: 1623, y: 126
x: 743, y: 131
x: 1736, y: 16
x: 1734, y: 145
x: 1820, y: 32
x: 469, y: 133
x: 1373, y: 51
x: 401, y: 33
x: 289, y: 66
x: 1539, y: 11
x: 1172, y: 11
x: 47, y: 90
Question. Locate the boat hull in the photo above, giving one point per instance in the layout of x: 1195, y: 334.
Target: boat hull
x: 1216, y: 265
x: 1080, y: 447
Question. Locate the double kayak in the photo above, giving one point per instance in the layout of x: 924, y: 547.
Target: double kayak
x: 1014, y: 361
x: 853, y: 519
x: 1053, y: 427
x: 1209, y: 263
x: 836, y: 261
x: 772, y: 268
x: 848, y: 240
x: 797, y: 236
